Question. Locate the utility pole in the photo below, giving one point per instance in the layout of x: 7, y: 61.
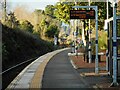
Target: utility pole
x: 89, y: 48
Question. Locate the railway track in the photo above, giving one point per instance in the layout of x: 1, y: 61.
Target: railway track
x: 9, y: 74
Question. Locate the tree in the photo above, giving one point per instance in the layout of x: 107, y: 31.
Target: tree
x: 43, y: 25
x: 49, y: 10
x: 51, y: 31
x: 3, y: 10
x: 46, y: 22
x: 26, y: 25
x: 62, y: 11
x: 118, y: 8
x: 12, y: 21
x: 22, y: 13
x: 102, y: 13
x: 4, y: 13
x: 37, y: 16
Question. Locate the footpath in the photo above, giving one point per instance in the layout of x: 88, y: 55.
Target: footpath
x: 60, y: 74
x: 87, y: 72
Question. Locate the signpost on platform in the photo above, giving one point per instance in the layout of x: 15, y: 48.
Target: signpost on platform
x: 82, y: 14
x: 86, y: 15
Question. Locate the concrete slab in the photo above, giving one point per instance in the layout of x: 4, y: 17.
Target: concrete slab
x: 74, y: 54
x: 93, y: 74
x: 22, y: 86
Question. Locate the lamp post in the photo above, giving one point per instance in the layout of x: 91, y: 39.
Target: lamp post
x: 114, y: 83
x: 76, y: 31
x: 108, y: 37
x: 89, y: 48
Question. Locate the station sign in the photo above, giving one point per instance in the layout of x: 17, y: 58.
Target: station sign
x: 82, y: 14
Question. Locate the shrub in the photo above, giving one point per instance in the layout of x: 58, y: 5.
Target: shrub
x: 102, y: 42
x: 19, y: 45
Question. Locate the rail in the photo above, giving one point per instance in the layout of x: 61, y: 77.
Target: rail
x: 17, y: 65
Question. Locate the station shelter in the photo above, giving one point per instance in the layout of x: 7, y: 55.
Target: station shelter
x: 109, y: 53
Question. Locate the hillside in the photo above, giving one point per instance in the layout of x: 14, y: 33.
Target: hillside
x: 19, y: 45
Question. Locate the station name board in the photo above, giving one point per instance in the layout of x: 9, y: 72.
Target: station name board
x: 82, y: 14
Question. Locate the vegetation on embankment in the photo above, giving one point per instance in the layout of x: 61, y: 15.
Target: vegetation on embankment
x: 19, y: 45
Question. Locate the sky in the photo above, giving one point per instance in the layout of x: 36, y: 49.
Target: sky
x: 30, y: 4
x: 36, y: 4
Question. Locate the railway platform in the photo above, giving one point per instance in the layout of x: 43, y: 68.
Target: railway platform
x: 54, y: 70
